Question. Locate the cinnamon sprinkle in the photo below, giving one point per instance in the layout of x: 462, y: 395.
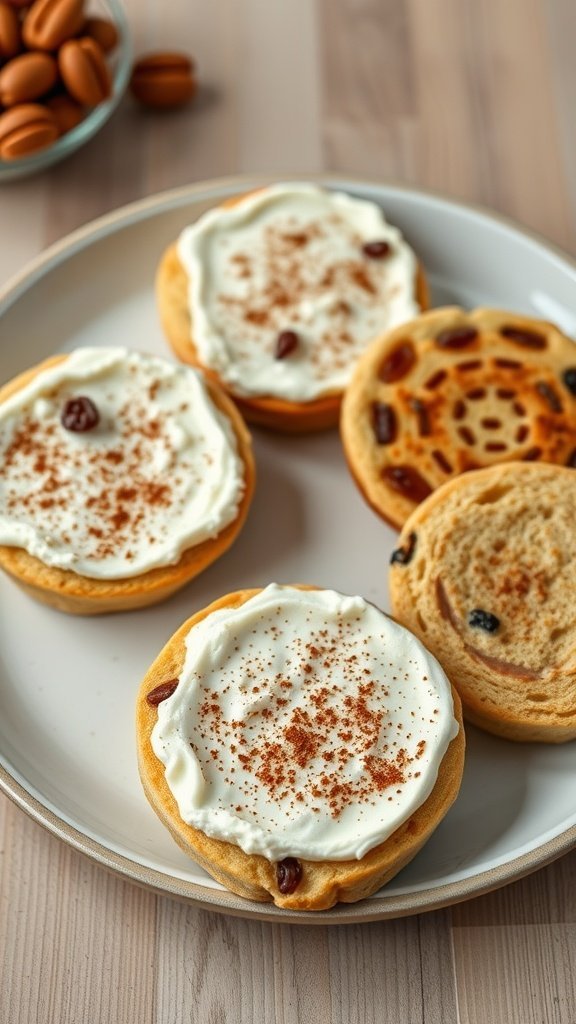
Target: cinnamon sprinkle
x: 46, y: 468
x: 286, y: 272
x: 332, y: 749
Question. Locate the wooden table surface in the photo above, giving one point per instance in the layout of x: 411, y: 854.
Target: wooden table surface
x: 471, y: 98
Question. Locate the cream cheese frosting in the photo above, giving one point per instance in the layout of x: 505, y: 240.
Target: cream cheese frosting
x: 305, y: 723
x: 293, y: 257
x: 158, y: 474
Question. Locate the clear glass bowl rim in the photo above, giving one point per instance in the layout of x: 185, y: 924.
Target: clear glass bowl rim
x: 72, y: 140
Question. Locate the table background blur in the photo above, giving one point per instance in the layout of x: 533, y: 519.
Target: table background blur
x: 471, y: 98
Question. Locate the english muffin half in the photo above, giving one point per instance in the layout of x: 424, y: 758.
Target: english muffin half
x: 298, y: 744
x: 484, y: 575
x: 276, y: 293
x: 122, y: 477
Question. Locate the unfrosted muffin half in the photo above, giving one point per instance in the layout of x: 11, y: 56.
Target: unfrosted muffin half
x: 484, y: 575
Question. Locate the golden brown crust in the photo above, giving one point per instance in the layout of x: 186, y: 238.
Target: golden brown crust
x: 80, y: 595
x: 274, y: 413
x: 500, y: 540
x: 452, y: 391
x: 323, y: 883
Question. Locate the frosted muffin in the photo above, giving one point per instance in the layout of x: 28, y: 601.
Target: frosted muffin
x: 276, y: 293
x: 122, y: 477
x: 298, y: 744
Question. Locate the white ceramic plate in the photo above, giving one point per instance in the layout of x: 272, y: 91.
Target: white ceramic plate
x: 67, y: 685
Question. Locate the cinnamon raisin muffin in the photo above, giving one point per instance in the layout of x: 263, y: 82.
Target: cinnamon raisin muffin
x: 298, y: 744
x: 484, y: 575
x: 122, y: 476
x: 276, y: 293
x: 454, y: 391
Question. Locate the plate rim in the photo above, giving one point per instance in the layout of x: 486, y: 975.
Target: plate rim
x: 378, y: 907
x: 81, y: 237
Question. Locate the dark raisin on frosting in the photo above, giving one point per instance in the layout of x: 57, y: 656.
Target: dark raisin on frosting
x: 79, y: 415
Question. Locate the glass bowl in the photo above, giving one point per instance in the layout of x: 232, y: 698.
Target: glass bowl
x: 119, y: 62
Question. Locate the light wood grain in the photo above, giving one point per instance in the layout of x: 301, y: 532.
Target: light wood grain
x: 77, y: 943
x: 473, y: 98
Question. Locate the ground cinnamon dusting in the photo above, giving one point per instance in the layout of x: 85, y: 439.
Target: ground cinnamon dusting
x: 292, y: 269
x: 331, y: 749
x: 50, y: 478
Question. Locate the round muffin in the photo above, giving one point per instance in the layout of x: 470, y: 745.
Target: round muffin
x: 454, y: 391
x: 276, y: 293
x: 484, y: 575
x: 298, y: 744
x: 122, y: 477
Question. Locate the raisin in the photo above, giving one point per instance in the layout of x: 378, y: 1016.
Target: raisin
x: 404, y: 555
x: 397, y: 363
x: 508, y: 364
x: 549, y: 395
x: 424, y: 428
x: 376, y: 250
x: 435, y: 380
x: 456, y: 337
x: 407, y: 481
x: 442, y: 461
x: 522, y: 336
x: 480, y: 619
x: 288, y: 875
x: 384, y: 422
x: 161, y: 692
x: 80, y: 415
x: 532, y: 454
x: 470, y: 364
x: 467, y: 435
x: 522, y: 433
x: 569, y: 378
x: 286, y: 342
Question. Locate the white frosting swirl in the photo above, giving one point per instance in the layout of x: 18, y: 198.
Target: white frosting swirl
x: 158, y: 474
x: 304, y: 723
x: 290, y: 257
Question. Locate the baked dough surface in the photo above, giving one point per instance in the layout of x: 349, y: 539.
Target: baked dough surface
x: 452, y: 391
x: 274, y: 413
x: 500, y: 541
x: 79, y: 595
